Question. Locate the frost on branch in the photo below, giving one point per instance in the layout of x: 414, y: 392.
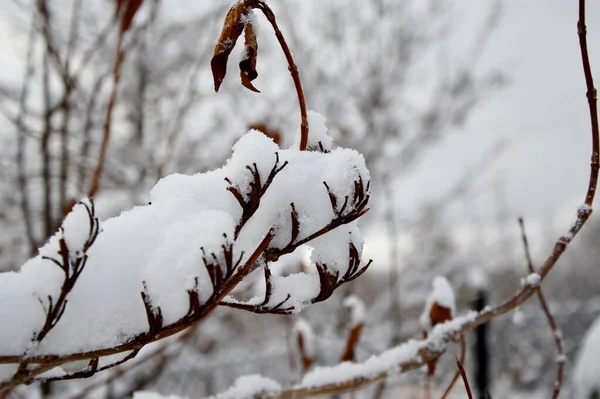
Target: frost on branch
x: 99, y: 289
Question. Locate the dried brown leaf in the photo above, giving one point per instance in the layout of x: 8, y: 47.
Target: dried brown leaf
x: 439, y: 314
x: 248, y: 64
x: 233, y: 27
x: 306, y: 359
x: 351, y: 343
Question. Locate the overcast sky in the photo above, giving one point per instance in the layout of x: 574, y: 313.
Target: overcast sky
x: 543, y: 112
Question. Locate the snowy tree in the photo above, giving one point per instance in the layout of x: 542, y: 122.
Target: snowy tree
x: 131, y: 289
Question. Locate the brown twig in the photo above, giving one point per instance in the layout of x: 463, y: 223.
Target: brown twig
x: 21, y: 142
x: 556, y: 331
x: 107, y: 127
x: 293, y: 71
x: 463, y: 352
x: 592, y: 97
x: 45, y: 150
x: 463, y: 374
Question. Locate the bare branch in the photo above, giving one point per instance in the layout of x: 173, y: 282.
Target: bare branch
x: 463, y: 374
x: 556, y: 331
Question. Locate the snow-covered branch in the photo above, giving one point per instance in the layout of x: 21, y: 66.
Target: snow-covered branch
x: 157, y: 269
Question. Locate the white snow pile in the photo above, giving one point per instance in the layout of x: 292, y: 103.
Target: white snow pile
x: 318, y: 139
x: 533, y: 280
x: 159, y: 248
x: 586, y: 374
x: 442, y: 294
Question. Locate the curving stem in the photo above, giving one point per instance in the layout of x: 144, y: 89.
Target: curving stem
x: 292, y: 68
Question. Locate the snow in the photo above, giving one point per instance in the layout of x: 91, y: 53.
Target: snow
x: 75, y: 227
x: 441, y: 294
x: 157, y: 248
x: 250, y: 387
x: 317, y: 133
x: 533, y: 280
x: 301, y: 288
x: 357, y: 310
x: 587, y: 367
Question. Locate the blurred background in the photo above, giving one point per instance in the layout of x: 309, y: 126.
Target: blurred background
x: 469, y: 115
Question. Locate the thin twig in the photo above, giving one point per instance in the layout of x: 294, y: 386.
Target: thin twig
x: 556, y: 331
x: 45, y: 150
x: 293, y: 70
x: 116, y: 74
x: 463, y: 352
x: 592, y: 97
x: 463, y: 374
x: 86, y: 139
x: 21, y: 142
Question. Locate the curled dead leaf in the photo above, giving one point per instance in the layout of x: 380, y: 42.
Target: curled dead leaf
x: 248, y: 64
x: 233, y: 27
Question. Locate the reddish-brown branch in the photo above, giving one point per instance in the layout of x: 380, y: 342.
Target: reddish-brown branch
x: 556, y: 331
x: 86, y: 138
x: 293, y: 71
x: 107, y: 127
x: 592, y: 97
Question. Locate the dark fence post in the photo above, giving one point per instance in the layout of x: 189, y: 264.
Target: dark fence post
x: 482, y: 352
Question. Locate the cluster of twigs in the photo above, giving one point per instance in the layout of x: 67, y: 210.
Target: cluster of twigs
x: 352, y: 209
x: 72, y: 263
